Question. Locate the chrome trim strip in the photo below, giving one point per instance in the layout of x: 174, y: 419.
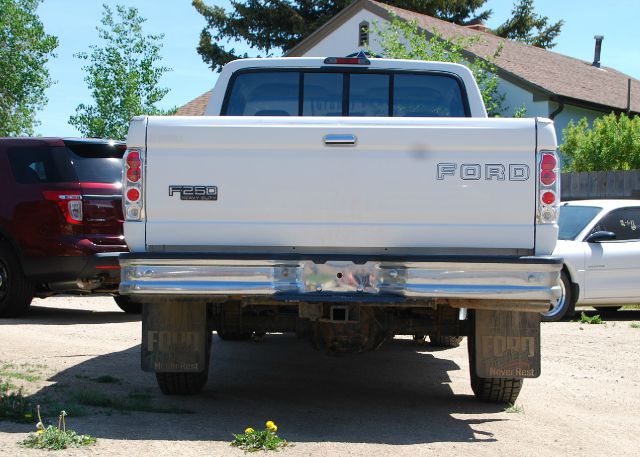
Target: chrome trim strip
x: 340, y: 140
x: 496, y: 281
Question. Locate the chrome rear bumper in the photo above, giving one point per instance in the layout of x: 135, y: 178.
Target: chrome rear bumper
x: 512, y: 278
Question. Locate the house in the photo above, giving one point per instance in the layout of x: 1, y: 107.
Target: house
x: 547, y: 83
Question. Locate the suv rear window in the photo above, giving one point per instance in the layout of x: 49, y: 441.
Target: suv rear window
x: 97, y: 162
x: 40, y: 164
x: 343, y: 93
x: 84, y: 162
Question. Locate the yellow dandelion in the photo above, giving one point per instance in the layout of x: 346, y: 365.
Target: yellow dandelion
x: 271, y: 426
x: 39, y: 432
x: 249, y: 430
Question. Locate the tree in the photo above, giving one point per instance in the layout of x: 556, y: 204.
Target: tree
x: 405, y: 40
x: 123, y: 75
x: 267, y: 25
x: 25, y: 50
x: 530, y: 28
x: 613, y: 143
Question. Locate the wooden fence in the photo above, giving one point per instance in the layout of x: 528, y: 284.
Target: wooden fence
x: 600, y: 184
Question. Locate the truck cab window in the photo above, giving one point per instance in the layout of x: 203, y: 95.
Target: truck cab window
x: 272, y: 93
x: 369, y: 95
x: 427, y: 96
x: 322, y: 94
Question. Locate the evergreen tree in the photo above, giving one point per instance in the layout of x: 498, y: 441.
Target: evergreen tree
x: 268, y: 25
x: 527, y: 26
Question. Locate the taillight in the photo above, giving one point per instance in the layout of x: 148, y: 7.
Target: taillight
x: 132, y: 186
x: 134, y: 166
x: 548, y: 188
x: 69, y: 202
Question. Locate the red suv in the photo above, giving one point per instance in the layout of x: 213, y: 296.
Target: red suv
x: 60, y: 219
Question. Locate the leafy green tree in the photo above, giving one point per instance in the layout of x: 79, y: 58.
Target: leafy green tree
x: 267, y: 25
x: 406, y: 40
x: 613, y: 143
x: 25, y: 49
x: 530, y: 28
x: 123, y: 75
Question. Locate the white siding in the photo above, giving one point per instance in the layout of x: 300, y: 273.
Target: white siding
x: 344, y: 40
x: 574, y: 113
x: 516, y: 96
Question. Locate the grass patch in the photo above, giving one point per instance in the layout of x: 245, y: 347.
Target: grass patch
x: 106, y: 379
x: 55, y: 438
x: 634, y: 325
x: 632, y: 307
x: 13, y: 405
x: 259, y: 440
x: 514, y: 409
x: 134, y: 401
x: 24, y: 372
x: 595, y: 319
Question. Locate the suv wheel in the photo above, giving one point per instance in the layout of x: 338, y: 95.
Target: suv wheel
x: 16, y: 291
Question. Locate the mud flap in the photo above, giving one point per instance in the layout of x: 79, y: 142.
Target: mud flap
x: 174, y: 337
x: 507, y: 344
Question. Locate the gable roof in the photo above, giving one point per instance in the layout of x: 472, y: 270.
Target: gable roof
x: 196, y: 106
x: 546, y: 73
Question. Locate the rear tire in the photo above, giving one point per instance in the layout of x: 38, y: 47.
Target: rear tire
x: 565, y: 306
x: 16, y: 291
x: 126, y: 305
x: 445, y: 341
x: 182, y: 383
x: 493, y: 390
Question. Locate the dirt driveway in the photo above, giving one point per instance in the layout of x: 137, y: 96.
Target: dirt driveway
x: 404, y: 399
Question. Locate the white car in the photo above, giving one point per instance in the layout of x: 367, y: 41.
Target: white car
x: 600, y: 243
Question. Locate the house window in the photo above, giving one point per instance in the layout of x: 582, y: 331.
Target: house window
x: 363, y: 34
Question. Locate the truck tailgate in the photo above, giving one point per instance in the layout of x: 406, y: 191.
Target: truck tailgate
x: 279, y: 182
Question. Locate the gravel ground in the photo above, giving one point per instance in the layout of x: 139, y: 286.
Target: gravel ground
x: 405, y: 399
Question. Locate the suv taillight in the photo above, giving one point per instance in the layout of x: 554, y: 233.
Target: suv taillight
x: 548, y: 188
x: 69, y: 202
x: 133, y: 181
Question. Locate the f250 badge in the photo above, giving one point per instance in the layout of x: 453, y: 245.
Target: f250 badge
x: 195, y: 192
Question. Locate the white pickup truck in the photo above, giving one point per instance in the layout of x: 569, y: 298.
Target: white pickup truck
x: 347, y: 200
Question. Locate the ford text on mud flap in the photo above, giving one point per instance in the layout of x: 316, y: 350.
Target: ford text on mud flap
x: 295, y: 207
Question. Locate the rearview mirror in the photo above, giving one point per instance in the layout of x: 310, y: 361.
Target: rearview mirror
x: 599, y: 236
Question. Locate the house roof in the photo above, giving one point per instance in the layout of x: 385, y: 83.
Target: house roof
x: 196, y: 106
x: 547, y: 73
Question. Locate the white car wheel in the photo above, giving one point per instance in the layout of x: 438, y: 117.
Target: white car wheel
x: 564, y: 305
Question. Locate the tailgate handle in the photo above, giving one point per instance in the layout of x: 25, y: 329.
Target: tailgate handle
x: 340, y: 140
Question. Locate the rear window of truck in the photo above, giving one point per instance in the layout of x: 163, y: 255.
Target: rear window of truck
x: 343, y: 93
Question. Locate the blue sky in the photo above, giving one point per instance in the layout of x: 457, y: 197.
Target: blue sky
x: 74, y: 22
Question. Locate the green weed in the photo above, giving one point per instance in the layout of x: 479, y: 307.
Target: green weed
x: 634, y: 325
x: 260, y: 440
x: 595, y: 319
x: 55, y: 438
x: 13, y: 405
x: 514, y: 409
x: 23, y: 372
x: 134, y: 401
